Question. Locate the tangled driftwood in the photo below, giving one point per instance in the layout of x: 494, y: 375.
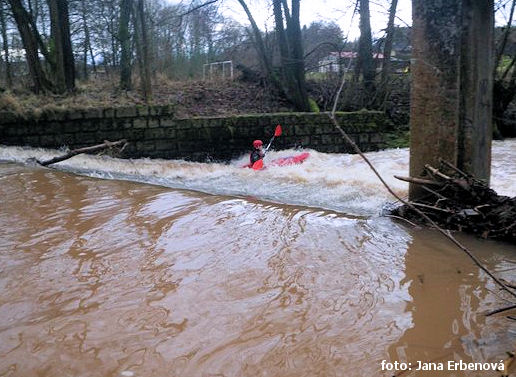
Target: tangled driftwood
x: 458, y: 201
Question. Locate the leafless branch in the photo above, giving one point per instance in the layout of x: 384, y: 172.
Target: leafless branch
x: 447, y: 234
x: 197, y: 7
x: 106, y: 144
x: 505, y: 37
x: 510, y: 307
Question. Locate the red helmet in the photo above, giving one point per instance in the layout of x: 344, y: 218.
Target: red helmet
x: 257, y: 143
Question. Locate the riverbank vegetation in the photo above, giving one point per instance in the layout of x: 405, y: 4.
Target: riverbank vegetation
x: 192, y: 54
x: 189, y: 98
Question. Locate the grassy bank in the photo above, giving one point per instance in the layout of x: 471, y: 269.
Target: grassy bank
x: 190, y: 98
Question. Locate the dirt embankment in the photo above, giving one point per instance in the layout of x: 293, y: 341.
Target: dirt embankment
x: 191, y: 98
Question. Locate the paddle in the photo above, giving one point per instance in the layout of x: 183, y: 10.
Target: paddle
x: 277, y: 133
x: 258, y: 165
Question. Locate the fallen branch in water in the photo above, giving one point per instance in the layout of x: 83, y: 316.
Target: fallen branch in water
x: 429, y: 207
x: 95, y: 148
x: 511, y: 285
x: 510, y: 307
x: 403, y: 219
x: 445, y: 233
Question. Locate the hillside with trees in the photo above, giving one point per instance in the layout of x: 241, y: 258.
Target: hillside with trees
x: 84, y: 53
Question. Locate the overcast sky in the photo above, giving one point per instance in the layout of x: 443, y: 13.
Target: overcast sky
x: 339, y: 11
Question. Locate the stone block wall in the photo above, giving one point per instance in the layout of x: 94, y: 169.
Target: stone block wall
x: 154, y: 131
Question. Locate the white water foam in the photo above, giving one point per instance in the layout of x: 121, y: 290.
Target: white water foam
x: 340, y: 182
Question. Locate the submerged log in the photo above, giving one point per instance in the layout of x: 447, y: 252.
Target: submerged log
x: 457, y: 201
x: 94, y: 148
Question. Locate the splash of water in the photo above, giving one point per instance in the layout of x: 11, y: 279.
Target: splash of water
x: 340, y: 182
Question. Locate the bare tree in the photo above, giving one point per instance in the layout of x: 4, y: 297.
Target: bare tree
x: 291, y: 51
x: 387, y: 48
x: 143, y: 50
x: 365, y: 50
x: 59, y: 57
x: 64, y: 64
x: 31, y: 39
x: 5, y: 47
x: 86, y: 45
x: 504, y: 86
x: 125, y: 45
x: 260, y: 45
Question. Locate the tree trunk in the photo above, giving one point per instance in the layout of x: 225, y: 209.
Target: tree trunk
x: 143, y: 51
x: 86, y: 47
x: 260, y: 47
x: 503, y: 42
x: 504, y: 90
x: 92, y: 57
x: 503, y: 94
x: 298, y: 60
x: 387, y: 48
x: 365, y: 50
x: 291, y: 51
x: 113, y: 25
x: 125, y: 45
x: 281, y: 37
x: 64, y: 70
x: 280, y: 34
x: 69, y: 60
x: 30, y: 44
x: 5, y: 46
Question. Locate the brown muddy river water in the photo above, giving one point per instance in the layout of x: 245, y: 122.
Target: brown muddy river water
x: 109, y: 277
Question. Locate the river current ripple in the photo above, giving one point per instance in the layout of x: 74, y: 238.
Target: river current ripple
x: 103, y: 277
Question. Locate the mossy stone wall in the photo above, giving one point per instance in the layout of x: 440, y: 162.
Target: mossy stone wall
x: 154, y: 131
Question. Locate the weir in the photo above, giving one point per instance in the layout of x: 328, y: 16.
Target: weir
x: 155, y: 131
x: 339, y: 182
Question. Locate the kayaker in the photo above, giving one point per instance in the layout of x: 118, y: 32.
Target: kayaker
x: 258, y: 152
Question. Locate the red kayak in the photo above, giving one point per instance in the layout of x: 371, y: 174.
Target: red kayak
x: 290, y: 160
x: 282, y: 161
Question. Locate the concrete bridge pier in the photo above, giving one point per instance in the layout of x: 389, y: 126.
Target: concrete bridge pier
x: 451, y: 94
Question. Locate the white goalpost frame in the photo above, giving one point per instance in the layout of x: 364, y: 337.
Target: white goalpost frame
x: 223, y: 63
